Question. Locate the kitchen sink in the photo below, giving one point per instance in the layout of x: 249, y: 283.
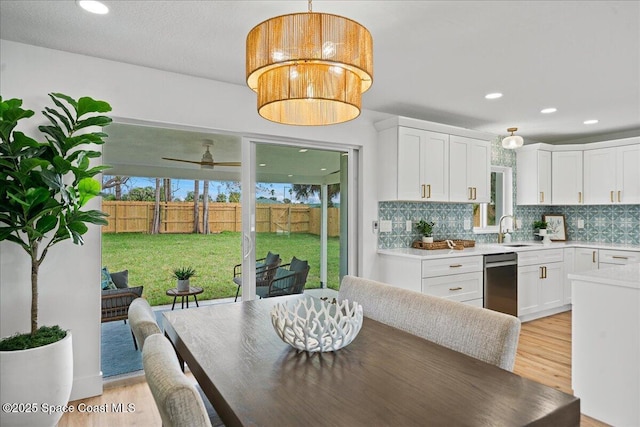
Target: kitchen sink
x: 518, y: 245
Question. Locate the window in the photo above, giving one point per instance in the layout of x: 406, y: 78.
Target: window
x: 487, y: 215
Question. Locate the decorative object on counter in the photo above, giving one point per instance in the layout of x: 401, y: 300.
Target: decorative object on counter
x: 541, y: 226
x: 426, y: 229
x: 443, y: 244
x: 313, y: 326
x: 183, y: 274
x: 556, y: 227
x: 512, y: 141
x: 507, y: 237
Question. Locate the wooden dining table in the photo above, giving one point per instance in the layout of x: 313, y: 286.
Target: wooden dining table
x: 385, y: 377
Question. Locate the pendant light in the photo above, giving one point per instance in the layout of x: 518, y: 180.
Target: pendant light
x: 512, y: 141
x: 309, y: 69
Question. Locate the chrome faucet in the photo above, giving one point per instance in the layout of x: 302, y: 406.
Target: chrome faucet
x: 500, y: 234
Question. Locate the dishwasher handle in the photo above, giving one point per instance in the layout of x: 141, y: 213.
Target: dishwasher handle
x: 500, y: 264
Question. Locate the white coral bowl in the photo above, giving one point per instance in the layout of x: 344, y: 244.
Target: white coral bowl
x: 312, y: 325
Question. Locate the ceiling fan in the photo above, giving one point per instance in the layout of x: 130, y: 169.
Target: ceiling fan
x: 207, y: 159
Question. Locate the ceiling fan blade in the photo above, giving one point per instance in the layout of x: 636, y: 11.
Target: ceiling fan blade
x: 181, y: 160
x: 227, y: 163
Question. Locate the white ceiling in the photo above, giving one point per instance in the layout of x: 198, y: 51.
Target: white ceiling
x: 433, y: 60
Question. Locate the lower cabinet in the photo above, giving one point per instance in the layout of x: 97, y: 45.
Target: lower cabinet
x: 457, y: 278
x: 540, y: 281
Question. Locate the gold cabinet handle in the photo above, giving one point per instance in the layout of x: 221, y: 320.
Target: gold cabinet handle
x: 542, y: 197
x: 458, y: 288
x: 579, y: 196
x: 470, y: 193
x: 541, y: 272
x: 423, y: 191
x: 611, y: 196
x: 619, y: 196
x: 619, y: 257
x: 474, y: 193
x: 428, y: 191
x: 593, y: 256
x: 455, y: 265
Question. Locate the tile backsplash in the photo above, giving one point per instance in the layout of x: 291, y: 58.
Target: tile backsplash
x: 602, y: 223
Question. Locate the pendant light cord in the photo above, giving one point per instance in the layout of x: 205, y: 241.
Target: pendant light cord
x: 310, y: 7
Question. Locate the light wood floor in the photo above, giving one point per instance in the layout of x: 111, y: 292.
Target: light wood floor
x: 544, y: 355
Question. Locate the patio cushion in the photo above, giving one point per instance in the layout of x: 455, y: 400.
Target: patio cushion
x: 120, y: 279
x: 105, y: 279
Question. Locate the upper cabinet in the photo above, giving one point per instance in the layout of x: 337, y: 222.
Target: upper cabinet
x: 469, y: 170
x: 612, y: 175
x: 413, y: 165
x: 566, y: 174
x: 533, y: 177
x: 420, y: 164
x: 593, y: 174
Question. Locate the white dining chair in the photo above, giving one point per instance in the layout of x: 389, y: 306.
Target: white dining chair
x: 484, y: 334
x: 142, y: 321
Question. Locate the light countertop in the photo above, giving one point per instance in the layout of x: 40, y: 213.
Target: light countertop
x: 496, y: 248
x: 627, y: 276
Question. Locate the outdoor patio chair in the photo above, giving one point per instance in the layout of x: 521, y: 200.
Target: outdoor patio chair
x: 289, y: 279
x: 142, y: 321
x: 265, y: 271
x: 179, y: 401
x: 117, y: 295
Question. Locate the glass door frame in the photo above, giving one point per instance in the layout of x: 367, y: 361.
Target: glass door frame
x: 248, y: 201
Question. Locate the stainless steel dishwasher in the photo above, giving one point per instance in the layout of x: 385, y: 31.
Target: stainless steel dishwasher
x: 501, y: 282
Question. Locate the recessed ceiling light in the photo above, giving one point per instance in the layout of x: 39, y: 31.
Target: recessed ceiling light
x: 302, y: 150
x: 262, y: 164
x: 494, y: 95
x: 590, y: 122
x: 93, y: 6
x: 548, y: 110
x: 323, y: 169
x: 289, y: 175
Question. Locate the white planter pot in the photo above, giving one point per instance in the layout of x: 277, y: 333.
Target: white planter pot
x: 426, y: 239
x: 37, y: 379
x: 183, y: 285
x: 542, y: 232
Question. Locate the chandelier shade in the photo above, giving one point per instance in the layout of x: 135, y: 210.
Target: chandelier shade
x: 310, y: 68
x: 512, y: 141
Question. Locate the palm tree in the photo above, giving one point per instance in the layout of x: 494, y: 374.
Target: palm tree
x: 304, y: 191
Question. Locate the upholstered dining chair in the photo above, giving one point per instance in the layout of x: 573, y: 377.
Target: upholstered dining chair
x: 177, y: 398
x: 142, y: 321
x: 484, y: 334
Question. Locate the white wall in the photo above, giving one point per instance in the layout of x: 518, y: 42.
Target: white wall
x: 70, y: 294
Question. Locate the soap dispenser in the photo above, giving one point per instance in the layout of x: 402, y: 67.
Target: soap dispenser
x: 507, y: 237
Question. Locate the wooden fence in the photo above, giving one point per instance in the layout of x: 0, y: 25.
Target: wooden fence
x: 177, y: 217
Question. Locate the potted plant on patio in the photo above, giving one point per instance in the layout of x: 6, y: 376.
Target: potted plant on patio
x: 183, y: 274
x: 426, y: 229
x: 43, y: 188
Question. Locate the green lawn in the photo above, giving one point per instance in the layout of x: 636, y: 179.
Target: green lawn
x: 150, y: 259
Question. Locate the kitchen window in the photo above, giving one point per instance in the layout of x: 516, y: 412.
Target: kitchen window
x: 487, y: 215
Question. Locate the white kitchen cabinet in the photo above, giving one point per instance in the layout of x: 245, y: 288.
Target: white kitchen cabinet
x: 611, y: 257
x: 585, y: 259
x: 413, y: 165
x: 566, y: 178
x: 456, y: 278
x: 533, y: 177
x: 540, y: 281
x: 469, y: 170
x: 612, y: 175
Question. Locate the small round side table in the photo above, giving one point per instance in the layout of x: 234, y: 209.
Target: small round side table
x: 193, y: 290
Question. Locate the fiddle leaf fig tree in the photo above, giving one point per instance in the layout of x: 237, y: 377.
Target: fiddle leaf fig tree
x: 45, y: 185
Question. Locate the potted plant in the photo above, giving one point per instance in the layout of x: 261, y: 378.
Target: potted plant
x: 426, y: 229
x: 541, y: 226
x: 43, y: 188
x: 183, y: 274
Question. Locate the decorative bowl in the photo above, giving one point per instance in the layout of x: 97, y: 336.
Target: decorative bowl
x: 312, y: 325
